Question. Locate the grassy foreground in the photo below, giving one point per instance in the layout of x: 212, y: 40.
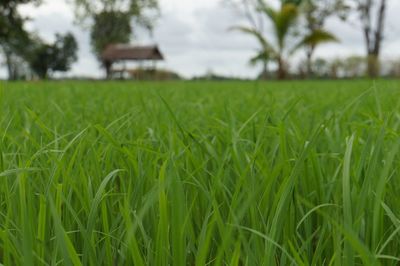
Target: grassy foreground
x: 302, y: 173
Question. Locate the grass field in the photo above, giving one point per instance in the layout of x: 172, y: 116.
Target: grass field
x: 296, y: 173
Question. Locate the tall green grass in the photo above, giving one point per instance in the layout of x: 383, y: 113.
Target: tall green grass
x: 296, y: 173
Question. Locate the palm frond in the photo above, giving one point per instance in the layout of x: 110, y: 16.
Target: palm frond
x: 282, y: 20
x: 316, y: 38
x: 265, y: 44
x: 261, y: 56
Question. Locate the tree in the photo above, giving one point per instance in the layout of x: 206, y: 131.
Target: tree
x: 10, y: 19
x: 65, y: 54
x: 335, y: 68
x: 17, y: 67
x: 394, y: 68
x: 112, y: 21
x: 108, y: 28
x: 315, y: 13
x: 13, y: 36
x: 354, y: 66
x: 58, y: 56
x: 311, y: 41
x: 321, y: 67
x: 263, y: 56
x: 283, y: 22
x: 372, y: 14
x: 14, y: 50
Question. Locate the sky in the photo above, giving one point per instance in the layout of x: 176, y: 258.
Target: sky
x: 194, y: 37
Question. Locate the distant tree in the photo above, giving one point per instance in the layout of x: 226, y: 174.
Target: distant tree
x: 354, y: 66
x: 65, y: 52
x: 394, y: 68
x: 59, y: 56
x: 335, y: 68
x: 108, y: 28
x: 17, y: 67
x: 15, y: 51
x: 112, y: 21
x: 315, y: 13
x: 10, y: 20
x: 13, y: 36
x: 283, y: 22
x: 321, y: 67
x: 372, y: 15
x: 293, y: 2
x: 262, y: 57
x: 311, y: 41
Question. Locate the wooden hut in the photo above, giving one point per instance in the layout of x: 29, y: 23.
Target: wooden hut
x: 117, y: 53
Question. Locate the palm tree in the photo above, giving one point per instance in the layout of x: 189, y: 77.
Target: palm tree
x: 283, y: 21
x: 263, y: 57
x: 311, y: 41
x: 314, y: 15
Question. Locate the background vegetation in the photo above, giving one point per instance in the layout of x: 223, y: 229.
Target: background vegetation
x: 282, y: 30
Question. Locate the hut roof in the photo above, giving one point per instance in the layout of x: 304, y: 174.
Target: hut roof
x: 117, y: 52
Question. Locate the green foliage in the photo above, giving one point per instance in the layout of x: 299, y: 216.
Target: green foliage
x: 266, y: 53
x: 315, y: 38
x: 108, y: 28
x: 262, y: 56
x: 372, y: 15
x: 317, y: 12
x: 114, y: 21
x: 10, y: 20
x: 53, y: 57
x: 41, y: 59
x: 24, y: 51
x: 296, y: 21
x: 13, y: 37
x: 292, y: 2
x: 65, y: 54
x: 283, y: 22
x: 135, y: 8
x: 200, y: 173
x: 314, y: 15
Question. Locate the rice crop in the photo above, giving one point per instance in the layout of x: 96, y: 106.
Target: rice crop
x: 200, y: 173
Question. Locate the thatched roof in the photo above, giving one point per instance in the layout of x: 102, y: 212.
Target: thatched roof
x: 117, y: 52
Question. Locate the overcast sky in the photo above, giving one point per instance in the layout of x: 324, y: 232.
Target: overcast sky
x: 194, y: 36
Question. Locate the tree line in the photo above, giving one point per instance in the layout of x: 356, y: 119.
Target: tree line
x: 345, y: 67
x: 109, y: 21
x: 297, y: 26
x: 27, y: 55
x: 300, y: 25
